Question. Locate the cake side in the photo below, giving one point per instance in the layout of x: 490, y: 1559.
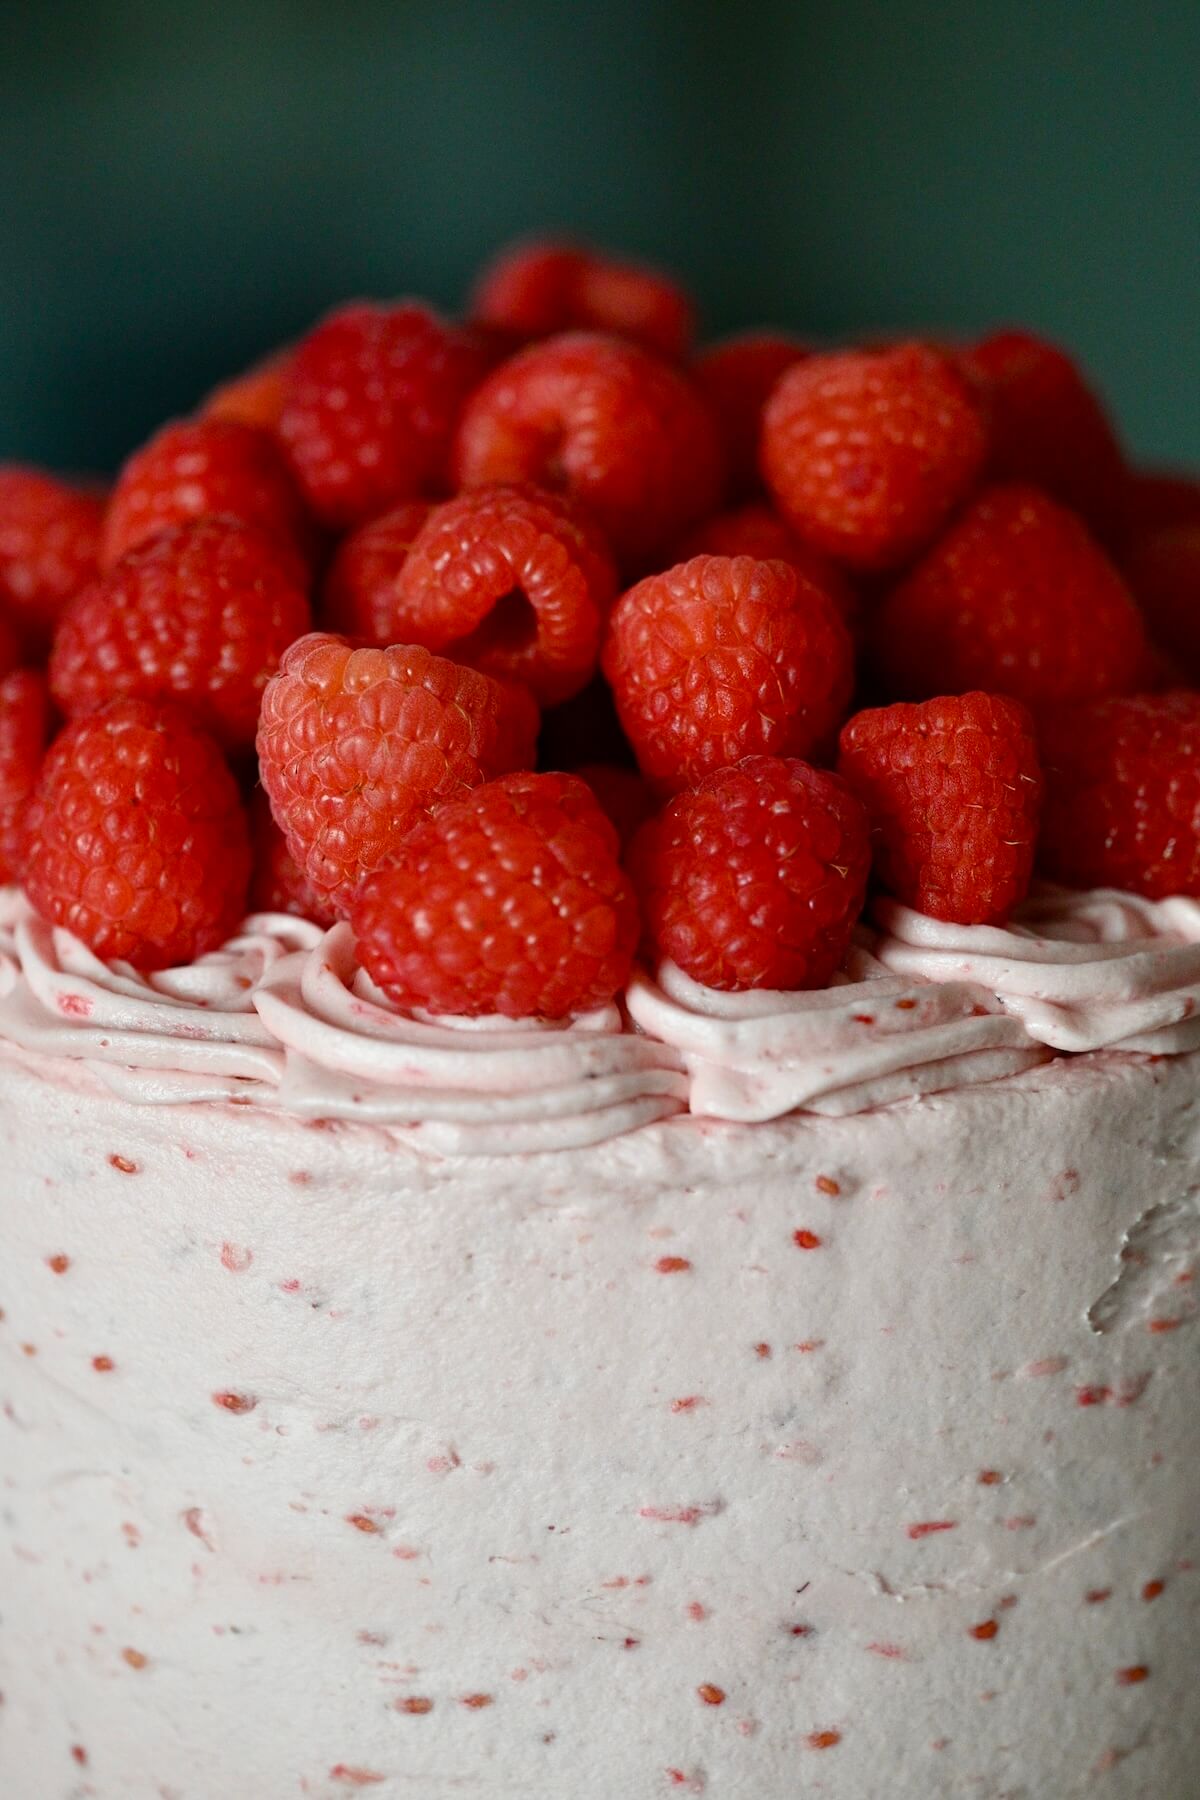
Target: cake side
x: 710, y: 1458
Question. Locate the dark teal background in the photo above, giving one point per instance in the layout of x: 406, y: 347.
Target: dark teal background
x: 181, y: 185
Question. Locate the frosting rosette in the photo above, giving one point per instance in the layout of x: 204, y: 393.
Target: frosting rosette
x: 1082, y: 971
x: 869, y: 1040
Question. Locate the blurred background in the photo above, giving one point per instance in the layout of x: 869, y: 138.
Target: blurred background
x: 185, y: 184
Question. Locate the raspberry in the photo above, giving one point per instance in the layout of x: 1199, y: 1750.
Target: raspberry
x: 195, y: 469
x: 355, y: 745
x: 510, y: 580
x: 200, y: 614
x: 737, y: 376
x: 867, y: 452
x: 755, y: 878
x: 1046, y: 426
x: 1156, y: 498
x: 277, y: 883
x: 10, y: 646
x: 24, y: 728
x: 371, y: 401
x: 1163, y: 569
x: 136, y: 837
x: 952, y: 788
x: 49, y: 542
x: 1016, y: 598
x: 509, y: 900
x: 754, y: 530
x: 721, y: 658
x: 255, y: 397
x: 1123, y: 794
x: 621, y: 793
x: 617, y: 429
x: 359, y: 598
x: 536, y: 290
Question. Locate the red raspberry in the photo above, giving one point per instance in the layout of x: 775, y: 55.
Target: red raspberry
x: 1047, y: 428
x: 621, y: 793
x: 1016, y: 598
x: 255, y: 397
x: 1163, y: 569
x: 721, y: 658
x: 1156, y: 498
x: 198, y: 468
x: 619, y: 430
x: 136, y: 837
x: 371, y: 401
x: 1123, y: 794
x: 514, y: 581
x: 952, y: 788
x: 200, y: 614
x: 754, y: 530
x: 360, y: 588
x: 355, y: 745
x: 49, y: 542
x: 737, y: 375
x: 867, y: 452
x: 277, y: 883
x: 24, y: 728
x: 536, y: 290
x: 756, y: 878
x: 509, y: 900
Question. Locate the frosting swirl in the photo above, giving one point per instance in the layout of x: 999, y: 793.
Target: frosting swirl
x: 867, y: 1041
x: 1082, y: 971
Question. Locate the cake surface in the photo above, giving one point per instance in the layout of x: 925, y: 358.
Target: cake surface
x: 845, y: 1450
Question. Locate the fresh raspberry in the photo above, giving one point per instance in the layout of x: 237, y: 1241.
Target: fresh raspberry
x: 1156, y: 498
x: 509, y: 900
x: 511, y: 580
x: 616, y: 428
x: 737, y: 376
x: 755, y: 530
x: 539, y: 289
x: 867, y: 452
x: 371, y: 401
x: 1163, y: 569
x: 277, y: 882
x: 196, y: 469
x: 200, y: 614
x: 1016, y: 598
x: 1046, y: 426
x: 24, y: 728
x: 360, y: 587
x: 952, y: 788
x: 255, y: 397
x: 1123, y: 794
x: 136, y: 837
x: 756, y: 878
x: 622, y: 795
x: 355, y: 745
x: 721, y: 658
x: 49, y: 543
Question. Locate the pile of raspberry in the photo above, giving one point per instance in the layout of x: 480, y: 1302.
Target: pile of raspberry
x: 535, y: 641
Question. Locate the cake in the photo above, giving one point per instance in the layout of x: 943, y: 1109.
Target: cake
x: 706, y: 1389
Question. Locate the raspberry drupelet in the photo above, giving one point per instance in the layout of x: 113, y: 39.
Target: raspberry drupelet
x: 49, y: 547
x: 201, y: 467
x: 136, y: 839
x: 866, y: 453
x: 721, y: 658
x: 509, y: 900
x: 1016, y: 598
x: 619, y: 430
x: 953, y: 789
x: 24, y: 728
x: 277, y: 882
x: 514, y: 581
x: 756, y: 877
x: 1122, y: 803
x: 355, y: 745
x: 757, y: 530
x: 536, y: 290
x: 201, y: 614
x: 371, y: 399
